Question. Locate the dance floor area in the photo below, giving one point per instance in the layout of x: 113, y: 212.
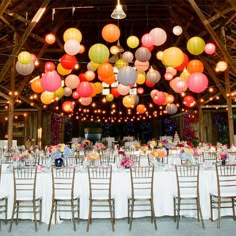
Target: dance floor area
x: 141, y: 227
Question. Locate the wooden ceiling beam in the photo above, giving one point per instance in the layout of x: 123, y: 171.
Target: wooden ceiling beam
x: 4, y: 5
x: 17, y: 16
x: 214, y: 36
x: 24, y: 37
x: 233, y: 4
x: 219, y: 14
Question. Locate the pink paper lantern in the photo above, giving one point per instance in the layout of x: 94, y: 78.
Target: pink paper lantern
x: 123, y: 89
x: 85, y: 101
x: 75, y: 95
x: 49, y: 66
x: 168, y: 76
x: 179, y: 84
x: 159, y: 36
x: 197, y: 82
x: 51, y: 81
x: 147, y: 40
x: 67, y: 91
x: 140, y: 90
x: 210, y: 48
x: 159, y: 98
x: 85, y: 89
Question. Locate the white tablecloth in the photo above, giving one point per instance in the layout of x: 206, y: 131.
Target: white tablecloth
x: 164, y: 188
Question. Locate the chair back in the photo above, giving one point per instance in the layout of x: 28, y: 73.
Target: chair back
x: 25, y: 182
x: 100, y: 178
x: 63, y: 181
x: 209, y: 156
x: 187, y: 177
x: 71, y: 161
x: 142, y: 181
x: 226, y: 179
x: 135, y: 158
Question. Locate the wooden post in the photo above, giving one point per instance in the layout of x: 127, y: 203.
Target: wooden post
x: 201, y: 122
x: 229, y: 108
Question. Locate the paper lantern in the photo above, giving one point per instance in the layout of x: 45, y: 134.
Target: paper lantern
x: 159, y: 55
x: 132, y: 41
x: 114, y: 50
x: 62, y: 71
x: 114, y: 92
x: 59, y: 93
x: 123, y: 89
x: 90, y: 66
x: 50, y: 38
x: 81, y: 49
x: 153, y: 76
x: 121, y: 63
x: 177, y: 30
x: 36, y: 86
x: 185, y: 75
x: 47, y: 97
x: 109, y: 97
x: 98, y: 53
x: 147, y: 40
x: 82, y: 77
x: 183, y: 64
x: 49, y: 66
x: 128, y: 56
x: 24, y: 69
x: 72, y: 47
x: 140, y: 90
x: 105, y: 70
x: 85, y: 101
x: 141, y: 66
x: 142, y: 54
x: 75, y: 95
x: 110, y: 33
x: 110, y: 80
x: 210, y: 48
x: 24, y: 57
x: 153, y: 93
x: 179, y: 84
x: 136, y: 99
x: 171, y: 70
x: 33, y: 58
x: 169, y: 98
x: 98, y: 87
x: 221, y: 66
x: 72, y: 33
x: 89, y: 75
x: 173, y: 57
x: 159, y: 98
x: 141, y: 108
x: 51, y: 81
x: 168, y: 76
x: 68, y: 106
x: 189, y: 101
x: 72, y: 81
x: 94, y: 93
x: 195, y: 45
x: 141, y: 77
x: 159, y: 36
x: 171, y: 109
x: 84, y: 89
x: 149, y: 84
x: 195, y: 66
x: 128, y: 101
x: 127, y: 76
x: 68, y: 61
x: 67, y: 91
x: 197, y: 82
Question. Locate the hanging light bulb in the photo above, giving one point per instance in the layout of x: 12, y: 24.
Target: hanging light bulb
x: 118, y: 12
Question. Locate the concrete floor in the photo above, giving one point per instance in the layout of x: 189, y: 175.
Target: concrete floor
x: 141, y: 227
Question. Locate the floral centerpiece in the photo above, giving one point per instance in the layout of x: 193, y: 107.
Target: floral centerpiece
x: 127, y: 162
x: 223, y: 157
x: 144, y: 148
x: 186, y: 155
x: 99, y: 147
x: 159, y: 153
x: 92, y: 157
x: 152, y: 143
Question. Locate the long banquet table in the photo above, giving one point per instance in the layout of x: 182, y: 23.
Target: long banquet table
x: 164, y: 188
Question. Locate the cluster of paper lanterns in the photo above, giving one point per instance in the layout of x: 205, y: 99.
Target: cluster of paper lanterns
x: 182, y: 73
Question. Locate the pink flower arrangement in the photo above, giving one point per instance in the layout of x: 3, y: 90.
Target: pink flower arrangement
x: 99, y: 146
x: 127, y: 162
x: 223, y: 156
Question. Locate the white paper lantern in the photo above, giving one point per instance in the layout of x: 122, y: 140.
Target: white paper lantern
x: 72, y: 47
x: 24, y: 69
x: 177, y: 30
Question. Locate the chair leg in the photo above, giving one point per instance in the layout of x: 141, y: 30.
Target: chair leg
x: 35, y: 218
x: 128, y: 211
x: 89, y: 215
x: 111, y: 214
x: 73, y: 214
x: 12, y: 216
x: 211, y: 208
x: 174, y: 209
x: 200, y: 213
x: 50, y: 219
x: 233, y: 208
x: 131, y: 215
x: 219, y: 207
x: 178, y: 213
x: 78, y: 210
x: 153, y: 216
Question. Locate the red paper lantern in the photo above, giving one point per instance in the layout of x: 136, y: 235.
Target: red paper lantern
x: 68, y: 61
x: 183, y: 64
x: 51, y: 81
x: 49, y: 66
x: 140, y: 90
x: 115, y: 92
x: 149, y: 84
x: 67, y: 106
x: 197, y: 82
x: 84, y: 89
x: 159, y: 98
x: 189, y: 101
x: 75, y: 95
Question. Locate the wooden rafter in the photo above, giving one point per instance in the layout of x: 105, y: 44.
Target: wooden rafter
x: 219, y: 14
x: 26, y: 34
x: 214, y: 36
x: 4, y: 6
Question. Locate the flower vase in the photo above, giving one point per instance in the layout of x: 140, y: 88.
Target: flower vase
x: 59, y: 162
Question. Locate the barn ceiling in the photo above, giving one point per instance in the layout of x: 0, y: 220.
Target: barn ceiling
x: 24, y: 24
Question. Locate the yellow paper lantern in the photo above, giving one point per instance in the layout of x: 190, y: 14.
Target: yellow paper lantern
x: 72, y: 33
x: 132, y: 41
x: 121, y: 63
x: 24, y: 57
x: 196, y: 45
x: 128, y: 101
x: 109, y: 97
x: 141, y: 77
x: 173, y: 56
x: 185, y: 74
x: 47, y: 97
x: 62, y: 71
x: 98, y: 87
x: 59, y: 93
x: 98, y: 53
